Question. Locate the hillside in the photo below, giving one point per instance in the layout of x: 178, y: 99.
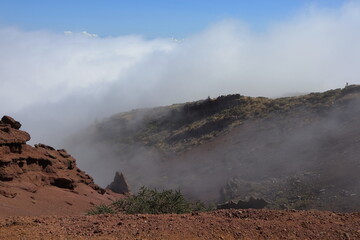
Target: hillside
x: 40, y: 180
x: 180, y: 127
x: 295, y: 152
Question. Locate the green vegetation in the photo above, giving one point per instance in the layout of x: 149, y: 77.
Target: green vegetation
x: 157, y: 202
x: 152, y: 201
x: 101, y: 209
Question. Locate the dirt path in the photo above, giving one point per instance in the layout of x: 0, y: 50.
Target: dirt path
x: 224, y: 224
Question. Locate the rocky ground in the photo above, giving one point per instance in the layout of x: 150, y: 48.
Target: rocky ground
x: 221, y: 224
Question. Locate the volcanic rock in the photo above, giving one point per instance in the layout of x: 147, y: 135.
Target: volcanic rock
x: 9, y: 135
x: 41, y: 180
x: 250, y: 202
x: 63, y: 182
x: 11, y: 122
x: 119, y: 185
x: 40, y: 145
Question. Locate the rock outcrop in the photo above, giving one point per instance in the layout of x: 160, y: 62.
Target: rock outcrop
x: 42, y: 176
x: 119, y: 185
x: 10, y: 121
x: 251, y: 202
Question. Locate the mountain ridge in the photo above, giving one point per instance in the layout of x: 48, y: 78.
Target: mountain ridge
x: 197, y: 119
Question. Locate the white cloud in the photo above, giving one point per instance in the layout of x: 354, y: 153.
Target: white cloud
x: 83, y: 33
x: 67, y: 80
x: 38, y: 67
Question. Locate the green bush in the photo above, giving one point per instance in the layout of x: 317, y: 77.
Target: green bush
x: 101, y: 209
x: 151, y: 201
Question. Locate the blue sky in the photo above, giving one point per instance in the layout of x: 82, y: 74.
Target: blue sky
x: 151, y: 19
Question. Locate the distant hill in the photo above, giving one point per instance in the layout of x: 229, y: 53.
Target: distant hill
x: 296, y: 152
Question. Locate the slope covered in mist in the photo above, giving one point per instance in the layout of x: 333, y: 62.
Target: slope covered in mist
x: 296, y: 152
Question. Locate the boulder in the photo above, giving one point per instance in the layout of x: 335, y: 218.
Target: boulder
x: 10, y: 121
x: 251, y: 202
x: 62, y: 182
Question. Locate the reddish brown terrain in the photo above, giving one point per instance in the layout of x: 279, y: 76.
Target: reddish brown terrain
x: 221, y: 224
x: 41, y: 180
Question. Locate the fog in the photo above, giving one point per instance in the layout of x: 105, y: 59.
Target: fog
x: 319, y: 146
x: 57, y: 84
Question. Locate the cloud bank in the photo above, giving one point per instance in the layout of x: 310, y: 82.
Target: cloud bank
x: 58, y: 83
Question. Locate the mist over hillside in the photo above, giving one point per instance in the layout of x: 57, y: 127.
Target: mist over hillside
x: 234, y: 146
x: 59, y: 84
x: 56, y: 77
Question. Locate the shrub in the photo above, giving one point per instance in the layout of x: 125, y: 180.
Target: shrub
x: 101, y: 209
x: 151, y: 201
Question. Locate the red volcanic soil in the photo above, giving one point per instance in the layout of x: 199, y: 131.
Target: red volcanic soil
x: 221, y: 224
x: 41, y: 180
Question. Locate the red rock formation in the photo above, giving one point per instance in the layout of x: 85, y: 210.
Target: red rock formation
x: 41, y: 180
